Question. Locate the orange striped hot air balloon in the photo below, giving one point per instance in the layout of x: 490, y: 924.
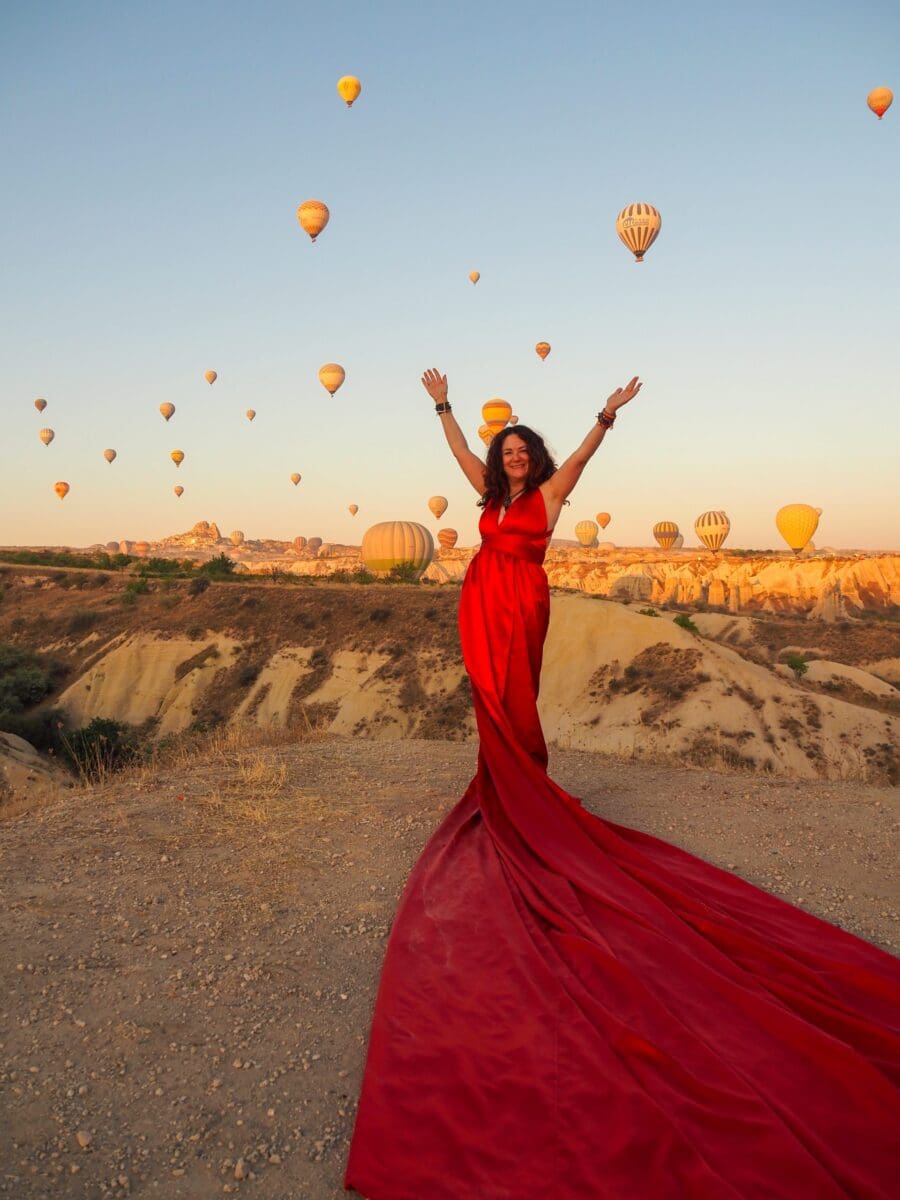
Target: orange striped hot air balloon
x: 496, y: 414
x: 313, y: 217
x: 542, y: 349
x: 447, y: 538
x: 486, y: 434
x: 638, y: 226
x: 665, y: 533
x: 880, y: 100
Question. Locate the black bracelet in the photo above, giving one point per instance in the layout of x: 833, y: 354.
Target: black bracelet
x: 443, y: 407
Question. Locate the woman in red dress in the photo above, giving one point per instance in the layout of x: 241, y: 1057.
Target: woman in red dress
x: 572, y: 1010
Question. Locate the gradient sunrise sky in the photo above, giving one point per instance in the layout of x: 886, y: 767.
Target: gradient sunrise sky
x: 153, y: 158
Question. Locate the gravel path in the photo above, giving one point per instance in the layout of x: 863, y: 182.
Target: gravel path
x: 188, y: 959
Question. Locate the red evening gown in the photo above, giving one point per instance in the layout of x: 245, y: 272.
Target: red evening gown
x: 571, y: 1010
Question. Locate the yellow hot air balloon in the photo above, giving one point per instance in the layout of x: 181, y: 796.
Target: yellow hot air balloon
x: 496, y: 414
x: 397, y: 543
x: 797, y: 523
x: 40, y: 405
x: 46, y: 436
x: 295, y: 479
x: 313, y: 217
x: 603, y: 519
x: 167, y: 410
x: 586, y: 532
x: 353, y: 509
x: 447, y: 538
x: 210, y: 377
x: 349, y: 87
x: 474, y: 276
x: 486, y: 434
x: 178, y: 490
x: 177, y: 457
x: 712, y: 529
x: 236, y: 537
x: 880, y: 100
x: 331, y: 376
x: 542, y: 349
x: 250, y: 414
x: 438, y: 506
x: 638, y: 226
x: 665, y: 533
x: 109, y: 455
x: 513, y: 420
x: 61, y: 488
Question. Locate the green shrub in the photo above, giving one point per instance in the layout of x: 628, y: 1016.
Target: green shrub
x: 83, y: 619
x: 197, y: 586
x: 405, y: 572
x: 798, y: 663
x: 101, y: 746
x: 220, y: 567
x: 137, y: 587
x: 648, y: 612
x: 686, y: 623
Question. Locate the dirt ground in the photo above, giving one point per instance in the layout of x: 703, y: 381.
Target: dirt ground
x: 189, y: 956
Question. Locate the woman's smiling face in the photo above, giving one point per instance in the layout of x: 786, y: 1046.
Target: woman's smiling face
x: 516, y: 460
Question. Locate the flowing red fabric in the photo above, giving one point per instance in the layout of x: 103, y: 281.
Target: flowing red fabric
x: 570, y: 1009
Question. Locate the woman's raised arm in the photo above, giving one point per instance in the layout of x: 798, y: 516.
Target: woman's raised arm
x: 559, y: 485
x: 435, y: 385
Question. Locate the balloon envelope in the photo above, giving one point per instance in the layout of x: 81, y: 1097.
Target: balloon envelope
x: 177, y: 457
x: 349, y: 87
x: 397, y: 543
x: 880, y: 100
x: 167, y: 410
x: 513, y: 420
x: 353, y: 509
x: 486, y: 434
x: 313, y: 217
x: 665, y: 533
x: 46, y: 436
x: 474, y: 276
x: 331, y: 376
x: 603, y: 519
x: 586, y: 532
x: 109, y: 455
x: 542, y: 349
x: 250, y: 414
x: 447, y: 538
x: 210, y: 377
x: 495, y: 414
x: 61, y: 488
x: 797, y: 523
x: 712, y: 528
x: 438, y: 506
x: 295, y: 479
x: 638, y: 226
x: 178, y: 489
x: 40, y: 405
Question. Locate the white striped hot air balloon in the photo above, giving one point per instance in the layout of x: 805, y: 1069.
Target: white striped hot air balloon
x: 665, y: 533
x: 712, y: 528
x: 586, y: 532
x: 638, y: 226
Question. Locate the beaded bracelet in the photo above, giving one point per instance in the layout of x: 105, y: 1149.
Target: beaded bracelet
x: 605, y: 419
x: 443, y: 407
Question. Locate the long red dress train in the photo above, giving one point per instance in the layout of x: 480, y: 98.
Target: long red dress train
x: 572, y: 1010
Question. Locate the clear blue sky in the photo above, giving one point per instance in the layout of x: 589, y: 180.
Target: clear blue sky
x: 153, y: 157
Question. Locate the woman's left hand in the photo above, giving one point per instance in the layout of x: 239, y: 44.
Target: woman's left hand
x: 622, y: 395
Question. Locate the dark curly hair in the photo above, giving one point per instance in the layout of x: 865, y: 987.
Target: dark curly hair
x: 541, y: 466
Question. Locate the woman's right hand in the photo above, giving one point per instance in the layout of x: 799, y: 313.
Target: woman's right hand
x: 435, y: 384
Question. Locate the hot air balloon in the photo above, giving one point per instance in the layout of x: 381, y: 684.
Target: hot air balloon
x: 486, y: 434
x: 586, y: 532
x: 313, y: 217
x: 109, y: 455
x: 299, y: 544
x: 880, y: 100
x: 665, y: 533
x: 236, y: 537
x: 40, y: 405
x: 142, y: 549
x: 314, y: 544
x: 542, y: 349
x: 513, y: 420
x: 797, y: 523
x: 474, y: 276
x: 331, y: 376
x: 250, y: 414
x: 496, y: 414
x: 46, y: 436
x: 349, y: 87
x: 61, y: 488
x: 397, y: 543
x: 679, y: 542
x: 353, y: 509
x: 177, y: 457
x: 167, y: 410
x: 638, y: 226
x: 210, y: 377
x: 178, y: 490
x: 447, y: 538
x: 603, y: 519
x: 712, y: 529
x: 438, y: 506
x: 295, y: 479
